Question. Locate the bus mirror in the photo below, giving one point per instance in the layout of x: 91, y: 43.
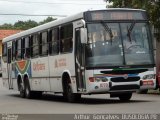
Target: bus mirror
x: 83, y: 32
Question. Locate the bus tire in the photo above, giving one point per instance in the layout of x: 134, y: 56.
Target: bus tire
x: 28, y: 92
x: 67, y: 92
x: 21, y: 90
x: 70, y: 95
x: 78, y: 96
x: 37, y: 94
x: 125, y: 96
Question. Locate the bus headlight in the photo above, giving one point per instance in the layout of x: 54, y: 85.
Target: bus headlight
x: 150, y: 76
x: 101, y: 79
x: 104, y: 79
x: 97, y: 79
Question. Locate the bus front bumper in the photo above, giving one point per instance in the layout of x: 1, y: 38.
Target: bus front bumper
x: 107, y: 87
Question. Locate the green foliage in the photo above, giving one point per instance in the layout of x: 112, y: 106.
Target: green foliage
x: 129, y: 3
x: 24, y: 25
x: 6, y: 26
x: 49, y: 19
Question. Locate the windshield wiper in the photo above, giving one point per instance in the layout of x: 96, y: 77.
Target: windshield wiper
x: 107, y: 29
x: 130, y: 30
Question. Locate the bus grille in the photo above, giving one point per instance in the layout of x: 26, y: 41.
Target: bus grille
x: 122, y: 79
x: 125, y: 87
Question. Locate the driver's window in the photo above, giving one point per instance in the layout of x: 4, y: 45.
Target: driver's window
x: 128, y: 38
x: 145, y: 36
x: 135, y: 39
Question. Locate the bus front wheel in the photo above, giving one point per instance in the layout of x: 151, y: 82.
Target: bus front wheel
x: 69, y: 95
x: 125, y: 96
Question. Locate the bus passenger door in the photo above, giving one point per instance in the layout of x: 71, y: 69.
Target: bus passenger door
x: 79, y: 61
x: 9, y: 65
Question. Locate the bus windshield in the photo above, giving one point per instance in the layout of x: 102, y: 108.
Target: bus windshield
x: 129, y: 44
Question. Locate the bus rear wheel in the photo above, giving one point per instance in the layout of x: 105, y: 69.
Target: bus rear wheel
x: 28, y: 92
x: 21, y: 90
x: 125, y: 96
x: 32, y: 94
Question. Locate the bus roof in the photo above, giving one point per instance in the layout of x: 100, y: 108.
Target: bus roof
x: 58, y: 22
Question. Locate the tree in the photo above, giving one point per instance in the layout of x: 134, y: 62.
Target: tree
x: 130, y: 3
x: 151, y: 6
x: 30, y: 24
x: 19, y: 25
x: 155, y: 18
x: 6, y: 26
x: 49, y: 19
x: 24, y: 25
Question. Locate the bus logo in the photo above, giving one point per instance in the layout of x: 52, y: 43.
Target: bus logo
x: 125, y: 76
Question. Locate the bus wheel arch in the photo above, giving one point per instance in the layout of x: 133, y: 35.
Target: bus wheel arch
x: 67, y: 88
x: 65, y: 82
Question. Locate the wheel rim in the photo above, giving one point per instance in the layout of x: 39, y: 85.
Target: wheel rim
x: 69, y: 91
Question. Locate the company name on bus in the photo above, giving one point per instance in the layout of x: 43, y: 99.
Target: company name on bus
x: 38, y: 66
x: 60, y: 63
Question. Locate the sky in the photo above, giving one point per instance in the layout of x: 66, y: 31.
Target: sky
x: 60, y: 8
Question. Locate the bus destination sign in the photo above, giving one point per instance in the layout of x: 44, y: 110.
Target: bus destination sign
x: 116, y: 15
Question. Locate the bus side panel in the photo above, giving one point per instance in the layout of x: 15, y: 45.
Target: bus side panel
x: 40, y: 73
x: 57, y: 65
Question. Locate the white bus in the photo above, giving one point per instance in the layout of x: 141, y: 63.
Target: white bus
x: 93, y: 52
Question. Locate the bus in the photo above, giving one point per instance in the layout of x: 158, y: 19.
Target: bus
x: 92, y: 52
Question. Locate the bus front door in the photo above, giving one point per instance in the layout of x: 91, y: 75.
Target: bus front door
x: 9, y: 67
x: 79, y: 61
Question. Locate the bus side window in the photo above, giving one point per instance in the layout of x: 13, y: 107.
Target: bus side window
x: 27, y: 48
x: 31, y: 44
x: 43, y: 45
x: 22, y: 48
x: 18, y: 49
x: 34, y: 45
x: 4, y: 52
x: 55, y: 41
x: 66, y: 38
x: 50, y: 41
x: 40, y: 44
x: 13, y: 51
